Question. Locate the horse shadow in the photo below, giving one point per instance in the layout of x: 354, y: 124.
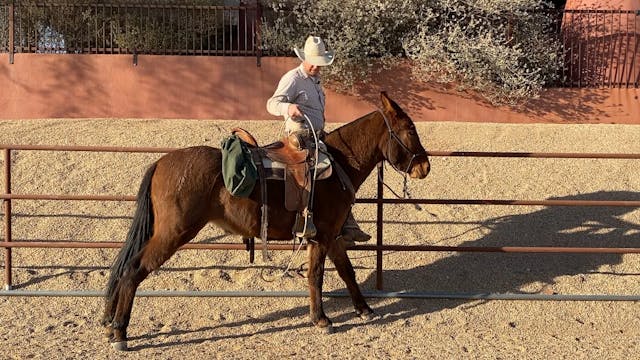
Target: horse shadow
x: 464, y: 272
x: 557, y: 226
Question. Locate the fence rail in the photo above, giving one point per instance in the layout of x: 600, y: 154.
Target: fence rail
x: 7, y: 196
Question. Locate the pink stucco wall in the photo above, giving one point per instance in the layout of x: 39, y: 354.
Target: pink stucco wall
x: 110, y: 86
x: 603, y: 4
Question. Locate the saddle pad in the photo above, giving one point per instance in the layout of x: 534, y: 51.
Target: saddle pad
x: 275, y: 170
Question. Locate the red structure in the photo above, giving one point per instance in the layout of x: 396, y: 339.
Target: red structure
x: 602, y: 4
x: 602, y: 45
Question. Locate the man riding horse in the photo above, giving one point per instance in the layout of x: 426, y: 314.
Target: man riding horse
x: 299, y: 98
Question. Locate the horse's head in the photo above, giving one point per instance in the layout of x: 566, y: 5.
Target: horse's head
x: 403, y: 149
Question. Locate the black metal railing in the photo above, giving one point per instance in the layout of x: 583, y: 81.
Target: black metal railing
x: 129, y: 29
x: 600, y: 47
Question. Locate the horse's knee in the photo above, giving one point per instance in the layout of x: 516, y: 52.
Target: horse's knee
x: 133, y: 275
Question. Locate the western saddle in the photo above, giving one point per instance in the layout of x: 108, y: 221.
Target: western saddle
x: 299, y: 169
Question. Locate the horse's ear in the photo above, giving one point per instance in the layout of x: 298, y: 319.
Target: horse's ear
x: 387, y: 104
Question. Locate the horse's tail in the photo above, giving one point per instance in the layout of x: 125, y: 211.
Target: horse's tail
x: 139, y: 233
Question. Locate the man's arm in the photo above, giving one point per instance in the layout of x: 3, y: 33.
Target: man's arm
x: 282, y: 98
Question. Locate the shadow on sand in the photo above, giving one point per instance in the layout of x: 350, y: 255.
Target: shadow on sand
x: 486, y: 272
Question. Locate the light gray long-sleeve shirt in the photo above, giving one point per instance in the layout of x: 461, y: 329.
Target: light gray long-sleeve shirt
x: 297, y: 87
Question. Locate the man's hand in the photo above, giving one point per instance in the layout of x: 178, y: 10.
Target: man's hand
x: 293, y: 111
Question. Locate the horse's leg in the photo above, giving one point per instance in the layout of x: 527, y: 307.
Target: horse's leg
x: 127, y: 286
x: 110, y: 306
x: 158, y: 250
x: 110, y: 311
x: 315, y: 276
x: 338, y: 255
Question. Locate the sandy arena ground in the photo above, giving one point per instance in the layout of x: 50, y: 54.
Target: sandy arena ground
x: 270, y: 328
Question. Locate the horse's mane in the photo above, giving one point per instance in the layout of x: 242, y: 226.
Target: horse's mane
x: 339, y: 135
x: 351, y: 123
x: 351, y: 145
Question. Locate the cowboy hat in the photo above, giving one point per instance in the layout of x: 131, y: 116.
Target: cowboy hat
x: 315, y: 53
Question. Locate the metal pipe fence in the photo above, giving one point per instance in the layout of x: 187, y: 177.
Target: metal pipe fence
x: 331, y: 294
x: 7, y: 196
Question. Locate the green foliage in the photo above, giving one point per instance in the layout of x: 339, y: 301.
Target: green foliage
x: 363, y: 33
x: 73, y: 26
x: 4, y: 29
x: 148, y: 30
x: 40, y: 24
x: 507, y: 50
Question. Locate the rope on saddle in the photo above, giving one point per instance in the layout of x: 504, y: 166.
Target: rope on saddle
x: 264, y: 222
x: 314, y: 166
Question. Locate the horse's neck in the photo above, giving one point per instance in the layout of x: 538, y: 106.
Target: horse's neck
x: 357, y: 145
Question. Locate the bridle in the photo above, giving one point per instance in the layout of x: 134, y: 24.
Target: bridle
x: 393, y: 135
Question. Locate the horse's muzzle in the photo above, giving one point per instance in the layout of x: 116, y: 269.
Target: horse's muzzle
x: 420, y: 170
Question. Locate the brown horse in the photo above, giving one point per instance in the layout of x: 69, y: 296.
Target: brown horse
x: 184, y: 190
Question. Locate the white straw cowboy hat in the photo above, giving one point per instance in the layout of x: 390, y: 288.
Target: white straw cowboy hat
x: 315, y: 53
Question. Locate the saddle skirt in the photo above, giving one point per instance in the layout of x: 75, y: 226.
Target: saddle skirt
x: 297, y: 176
x: 275, y: 170
x: 276, y: 157
x: 285, y: 160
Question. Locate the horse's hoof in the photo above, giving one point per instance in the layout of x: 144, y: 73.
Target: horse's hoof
x: 120, y: 346
x: 368, y: 316
x: 327, y: 329
x: 108, y: 332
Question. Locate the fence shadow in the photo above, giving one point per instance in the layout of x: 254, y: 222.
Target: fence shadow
x: 507, y: 273
x: 479, y: 272
x: 428, y: 99
x: 570, y: 105
x: 499, y: 272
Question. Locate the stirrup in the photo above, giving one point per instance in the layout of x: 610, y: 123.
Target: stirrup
x: 304, y: 227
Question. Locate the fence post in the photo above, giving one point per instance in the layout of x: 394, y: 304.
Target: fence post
x: 379, y: 221
x: 258, y: 33
x: 7, y: 219
x: 11, y: 33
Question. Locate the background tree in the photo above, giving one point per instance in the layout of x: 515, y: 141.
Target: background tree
x: 507, y: 50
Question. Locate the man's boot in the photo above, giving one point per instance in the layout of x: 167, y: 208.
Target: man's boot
x: 304, y: 227
x: 351, y: 232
